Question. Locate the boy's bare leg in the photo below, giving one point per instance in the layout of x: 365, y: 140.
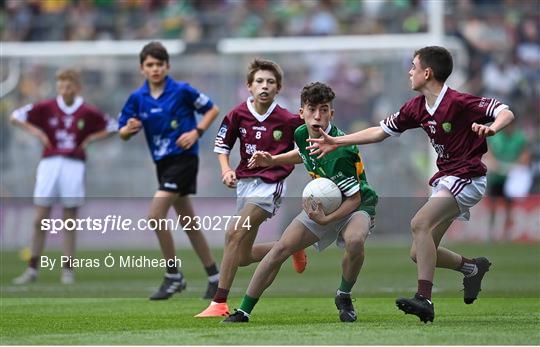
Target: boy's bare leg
x: 296, y: 237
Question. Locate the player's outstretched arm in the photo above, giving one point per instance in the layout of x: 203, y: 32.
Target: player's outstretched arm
x: 132, y: 127
x: 504, y: 118
x: 326, y: 143
x: 32, y: 129
x: 228, y: 175
x: 263, y: 159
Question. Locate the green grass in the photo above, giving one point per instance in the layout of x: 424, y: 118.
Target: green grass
x: 110, y: 306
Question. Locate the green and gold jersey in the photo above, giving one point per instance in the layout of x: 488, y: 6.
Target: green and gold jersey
x: 343, y: 166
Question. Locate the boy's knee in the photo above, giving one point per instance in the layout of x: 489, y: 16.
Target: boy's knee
x: 245, y: 260
x: 233, y: 236
x: 280, y: 252
x: 419, y: 225
x: 355, y: 245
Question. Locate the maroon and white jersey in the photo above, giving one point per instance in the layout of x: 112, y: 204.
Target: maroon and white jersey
x: 448, y: 125
x: 65, y: 126
x: 272, y: 132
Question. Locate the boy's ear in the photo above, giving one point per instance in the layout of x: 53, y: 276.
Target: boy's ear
x: 301, y: 113
x: 428, y: 73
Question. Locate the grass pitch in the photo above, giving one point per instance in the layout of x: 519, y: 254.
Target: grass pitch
x: 110, y: 306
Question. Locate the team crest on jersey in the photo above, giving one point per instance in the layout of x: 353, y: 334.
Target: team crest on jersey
x: 278, y: 134
x: 174, y: 124
x: 243, y: 131
x: 80, y: 124
x: 222, y: 131
x: 447, y: 127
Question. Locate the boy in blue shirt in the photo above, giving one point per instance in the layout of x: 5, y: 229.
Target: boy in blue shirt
x: 165, y: 109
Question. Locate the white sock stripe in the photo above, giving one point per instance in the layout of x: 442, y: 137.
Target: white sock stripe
x: 468, y: 267
x: 213, y: 278
x: 339, y: 292
x: 173, y: 276
x: 244, y: 313
x: 473, y: 273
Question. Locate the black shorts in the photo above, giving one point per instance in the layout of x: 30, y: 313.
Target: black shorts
x: 178, y: 174
x: 496, y: 190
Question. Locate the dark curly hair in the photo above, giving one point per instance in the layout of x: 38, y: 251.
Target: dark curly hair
x: 316, y: 93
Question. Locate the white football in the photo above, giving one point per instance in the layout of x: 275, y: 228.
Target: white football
x: 323, y: 190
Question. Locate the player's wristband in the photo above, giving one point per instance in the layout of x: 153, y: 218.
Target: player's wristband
x: 200, y: 132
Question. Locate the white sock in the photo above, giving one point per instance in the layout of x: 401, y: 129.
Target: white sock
x: 245, y: 313
x: 173, y: 276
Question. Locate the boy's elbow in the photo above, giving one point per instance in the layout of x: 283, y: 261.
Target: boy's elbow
x: 507, y: 114
x: 511, y: 116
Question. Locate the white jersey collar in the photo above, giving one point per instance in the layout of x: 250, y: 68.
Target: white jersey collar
x: 69, y: 109
x: 431, y: 110
x: 259, y: 117
x: 328, y: 129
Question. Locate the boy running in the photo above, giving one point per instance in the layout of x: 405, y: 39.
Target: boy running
x: 455, y: 124
x: 349, y: 225
x: 166, y: 109
x: 260, y: 124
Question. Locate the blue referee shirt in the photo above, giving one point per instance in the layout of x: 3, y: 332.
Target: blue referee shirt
x: 164, y: 119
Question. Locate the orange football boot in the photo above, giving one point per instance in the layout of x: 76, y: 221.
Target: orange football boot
x: 215, y: 309
x: 299, y: 260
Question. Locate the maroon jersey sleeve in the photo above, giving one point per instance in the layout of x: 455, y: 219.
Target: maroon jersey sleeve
x: 480, y: 109
x: 99, y: 121
x: 297, y: 121
x: 402, y: 120
x: 227, y: 134
x: 35, y: 114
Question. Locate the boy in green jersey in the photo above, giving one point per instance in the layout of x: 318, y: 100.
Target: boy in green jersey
x: 349, y: 225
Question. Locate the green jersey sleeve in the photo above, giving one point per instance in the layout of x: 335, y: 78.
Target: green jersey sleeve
x: 342, y: 171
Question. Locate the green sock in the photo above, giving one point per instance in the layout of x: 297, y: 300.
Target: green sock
x: 248, y: 303
x: 345, y: 286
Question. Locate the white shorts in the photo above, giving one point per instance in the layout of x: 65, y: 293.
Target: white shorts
x: 257, y: 192
x: 467, y: 192
x: 331, y: 232
x: 60, y: 179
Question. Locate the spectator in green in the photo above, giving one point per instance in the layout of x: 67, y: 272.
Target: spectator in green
x: 507, y: 149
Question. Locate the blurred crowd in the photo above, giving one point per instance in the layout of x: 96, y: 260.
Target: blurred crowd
x: 204, y: 20
x: 502, y: 36
x: 502, y: 39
